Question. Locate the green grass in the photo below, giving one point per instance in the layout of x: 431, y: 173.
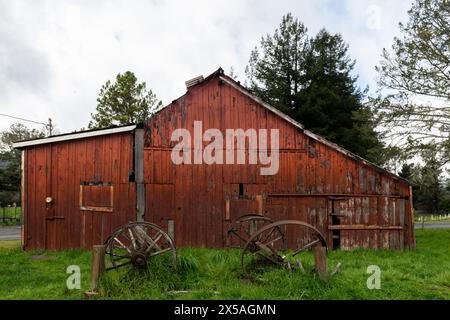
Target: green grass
x: 217, y: 274
x: 10, y: 213
x: 9, y: 244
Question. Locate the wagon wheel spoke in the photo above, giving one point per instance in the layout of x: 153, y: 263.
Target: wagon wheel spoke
x: 122, y: 245
x: 120, y: 265
x: 270, y: 234
x: 154, y: 244
x: 268, y: 257
x: 272, y: 241
x: 138, y: 242
x: 237, y: 235
x: 133, y: 241
x: 146, y: 238
x: 118, y: 256
x: 159, y: 252
x: 246, y: 226
x: 306, y: 247
x: 269, y: 250
x: 266, y: 243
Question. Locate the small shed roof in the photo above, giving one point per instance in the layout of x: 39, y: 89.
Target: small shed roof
x: 74, y: 135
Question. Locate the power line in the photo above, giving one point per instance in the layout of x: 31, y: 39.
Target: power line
x: 18, y: 118
x: 48, y: 126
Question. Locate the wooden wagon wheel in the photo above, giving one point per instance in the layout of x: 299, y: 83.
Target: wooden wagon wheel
x: 246, y: 226
x: 137, y: 243
x: 268, y: 246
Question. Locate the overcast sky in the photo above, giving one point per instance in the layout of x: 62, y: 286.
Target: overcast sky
x: 55, y: 55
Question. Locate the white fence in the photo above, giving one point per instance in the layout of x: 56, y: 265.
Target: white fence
x: 423, y: 219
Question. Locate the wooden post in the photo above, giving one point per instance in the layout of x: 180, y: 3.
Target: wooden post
x: 139, y: 173
x: 23, y: 180
x: 253, y: 227
x: 227, y: 209
x: 171, y: 229
x: 259, y: 201
x: 423, y: 222
x: 413, y: 238
x: 97, y: 267
x: 320, y: 259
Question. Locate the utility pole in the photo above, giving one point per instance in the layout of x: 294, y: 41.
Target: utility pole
x: 49, y: 126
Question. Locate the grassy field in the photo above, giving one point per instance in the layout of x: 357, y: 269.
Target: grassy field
x: 10, y: 215
x: 216, y: 274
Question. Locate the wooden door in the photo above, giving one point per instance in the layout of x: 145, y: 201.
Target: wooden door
x: 55, y: 199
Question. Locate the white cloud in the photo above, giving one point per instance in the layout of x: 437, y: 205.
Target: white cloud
x: 54, y: 55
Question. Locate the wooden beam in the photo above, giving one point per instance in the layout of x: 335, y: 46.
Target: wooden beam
x: 140, y: 201
x: 343, y: 196
x: 23, y: 173
x: 259, y: 201
x: 139, y: 173
x: 411, y: 215
x: 171, y: 229
x: 139, y: 155
x: 363, y: 227
x: 96, y: 209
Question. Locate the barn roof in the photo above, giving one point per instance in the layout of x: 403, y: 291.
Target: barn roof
x: 74, y: 135
x: 236, y: 85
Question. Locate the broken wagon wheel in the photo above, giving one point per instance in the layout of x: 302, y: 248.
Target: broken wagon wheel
x: 246, y: 226
x: 137, y: 243
x: 269, y: 246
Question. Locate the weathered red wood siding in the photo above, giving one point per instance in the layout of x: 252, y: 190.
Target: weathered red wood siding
x: 314, y: 180
x: 196, y: 196
x: 57, y: 170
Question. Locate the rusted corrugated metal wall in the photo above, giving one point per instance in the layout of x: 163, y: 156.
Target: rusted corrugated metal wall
x: 314, y: 182
x: 95, y: 169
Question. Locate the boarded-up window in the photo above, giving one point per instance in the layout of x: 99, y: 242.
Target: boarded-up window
x: 96, y: 196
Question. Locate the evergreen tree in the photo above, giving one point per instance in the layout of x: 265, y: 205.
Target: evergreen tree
x: 430, y: 187
x: 276, y: 73
x: 10, y: 160
x: 426, y: 180
x: 125, y: 101
x: 311, y: 80
x: 407, y: 171
x: 330, y: 101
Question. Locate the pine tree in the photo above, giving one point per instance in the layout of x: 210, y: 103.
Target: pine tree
x: 311, y: 80
x: 125, y: 101
x: 10, y: 159
x: 275, y: 73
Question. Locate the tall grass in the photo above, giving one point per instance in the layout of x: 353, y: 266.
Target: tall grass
x: 217, y: 274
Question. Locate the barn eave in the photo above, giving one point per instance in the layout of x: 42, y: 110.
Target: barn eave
x: 74, y: 136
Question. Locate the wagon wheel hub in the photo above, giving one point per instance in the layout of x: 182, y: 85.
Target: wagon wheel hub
x: 139, y: 260
x: 136, y: 242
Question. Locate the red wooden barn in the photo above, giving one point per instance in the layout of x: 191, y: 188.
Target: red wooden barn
x: 77, y: 188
